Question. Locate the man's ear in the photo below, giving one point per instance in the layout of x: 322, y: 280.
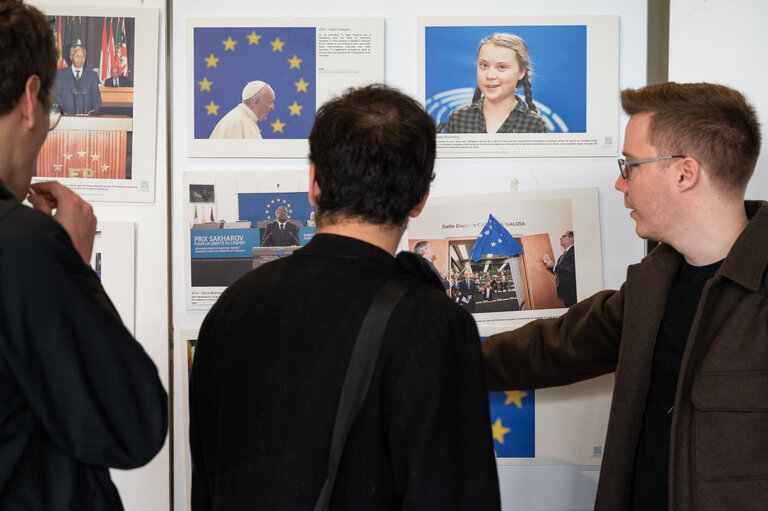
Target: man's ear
x: 416, y: 211
x: 314, y: 189
x: 28, y: 101
x: 688, y: 173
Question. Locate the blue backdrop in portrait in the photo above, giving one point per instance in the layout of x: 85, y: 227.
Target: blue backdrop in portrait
x: 261, y: 206
x: 226, y: 59
x: 558, y: 56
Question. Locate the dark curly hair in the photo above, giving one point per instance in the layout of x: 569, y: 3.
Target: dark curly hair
x: 374, y: 151
x: 27, y: 48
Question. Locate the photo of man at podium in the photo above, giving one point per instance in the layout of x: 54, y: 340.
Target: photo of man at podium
x: 77, y: 88
x: 281, y: 232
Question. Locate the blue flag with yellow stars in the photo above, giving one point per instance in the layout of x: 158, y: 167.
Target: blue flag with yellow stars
x: 513, y: 423
x: 494, y: 239
x: 262, y: 206
x: 227, y: 58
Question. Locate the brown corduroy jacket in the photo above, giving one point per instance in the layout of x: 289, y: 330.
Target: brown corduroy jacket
x: 719, y: 441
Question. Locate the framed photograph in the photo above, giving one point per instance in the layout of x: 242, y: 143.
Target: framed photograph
x: 256, y: 217
x: 255, y: 84
x: 106, y: 90
x: 514, y: 256
x: 557, y: 426
x: 523, y: 86
x: 114, y: 261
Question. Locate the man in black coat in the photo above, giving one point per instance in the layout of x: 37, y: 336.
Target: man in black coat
x: 281, y: 232
x: 273, y: 352
x: 564, y: 270
x: 77, y: 393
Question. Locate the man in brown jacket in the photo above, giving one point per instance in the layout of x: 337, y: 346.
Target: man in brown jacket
x: 687, y: 334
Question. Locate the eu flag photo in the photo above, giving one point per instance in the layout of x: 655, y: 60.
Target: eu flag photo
x: 513, y: 423
x: 494, y: 239
x: 227, y: 58
x: 262, y: 206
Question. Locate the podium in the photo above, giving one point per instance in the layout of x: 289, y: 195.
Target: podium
x: 88, y: 147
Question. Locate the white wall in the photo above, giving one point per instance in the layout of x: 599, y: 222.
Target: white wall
x: 724, y: 41
x: 146, y: 488
x: 551, y: 488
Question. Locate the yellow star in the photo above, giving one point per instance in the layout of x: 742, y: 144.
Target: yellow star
x: 499, y: 431
x: 211, y: 61
x: 67, y: 156
x: 229, y: 44
x: 277, y: 126
x: 213, y: 109
x: 82, y: 154
x: 277, y: 44
x: 104, y: 168
x: 295, y: 108
x: 94, y: 157
x: 205, y: 84
x: 295, y: 62
x: 301, y: 85
x: 253, y: 38
x: 272, y: 201
x: 515, y: 396
x: 57, y: 167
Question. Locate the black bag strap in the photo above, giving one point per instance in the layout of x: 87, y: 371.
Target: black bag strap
x: 358, y: 378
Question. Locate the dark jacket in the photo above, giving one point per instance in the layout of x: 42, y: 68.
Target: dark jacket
x: 565, y: 273
x: 77, y: 393
x: 719, y: 440
x: 269, y: 365
x: 274, y: 237
x: 122, y: 81
x: 77, y: 97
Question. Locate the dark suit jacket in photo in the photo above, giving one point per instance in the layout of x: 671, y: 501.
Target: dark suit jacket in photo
x: 122, y: 81
x: 80, y: 97
x: 274, y: 237
x: 466, y: 290
x: 565, y: 271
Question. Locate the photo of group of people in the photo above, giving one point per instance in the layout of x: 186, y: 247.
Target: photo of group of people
x: 519, y: 262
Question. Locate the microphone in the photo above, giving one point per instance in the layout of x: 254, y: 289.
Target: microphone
x: 265, y: 238
x: 440, y: 127
x: 294, y: 237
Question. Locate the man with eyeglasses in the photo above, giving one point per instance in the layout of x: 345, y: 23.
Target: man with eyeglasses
x: 77, y: 393
x: 687, y: 334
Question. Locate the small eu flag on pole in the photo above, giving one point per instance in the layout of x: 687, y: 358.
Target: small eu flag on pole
x: 494, y: 239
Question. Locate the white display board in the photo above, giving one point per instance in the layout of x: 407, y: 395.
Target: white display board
x: 145, y: 488
x: 553, y: 484
x: 730, y: 62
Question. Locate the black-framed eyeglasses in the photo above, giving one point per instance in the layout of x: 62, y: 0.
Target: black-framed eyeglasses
x: 625, y: 164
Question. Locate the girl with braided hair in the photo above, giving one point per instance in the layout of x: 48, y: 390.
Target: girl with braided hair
x: 503, y: 66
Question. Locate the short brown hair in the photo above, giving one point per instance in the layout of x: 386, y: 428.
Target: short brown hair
x: 27, y: 48
x: 712, y: 123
